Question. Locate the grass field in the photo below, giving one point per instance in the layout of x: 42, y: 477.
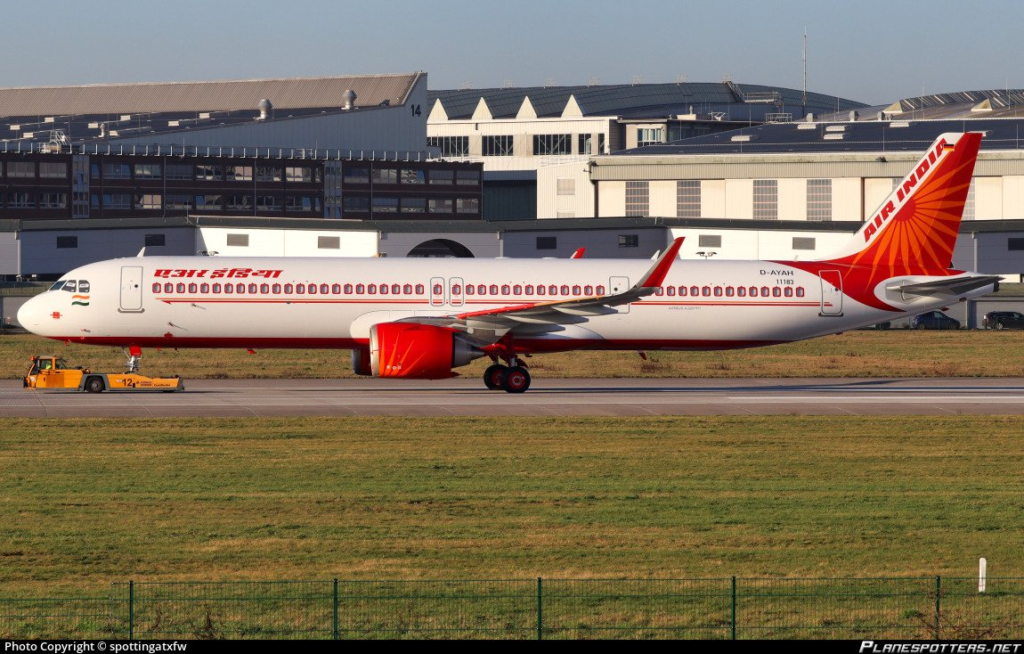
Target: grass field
x: 90, y: 501
x: 891, y: 353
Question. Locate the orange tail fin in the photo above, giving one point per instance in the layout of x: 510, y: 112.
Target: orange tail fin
x: 913, y: 232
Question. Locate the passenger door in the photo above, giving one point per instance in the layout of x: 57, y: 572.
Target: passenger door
x: 131, y: 289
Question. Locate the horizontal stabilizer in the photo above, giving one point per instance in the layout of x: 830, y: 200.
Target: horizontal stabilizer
x: 947, y: 287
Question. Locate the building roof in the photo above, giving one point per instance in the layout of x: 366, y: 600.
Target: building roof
x: 225, y: 95
x: 993, y: 103
x: 637, y: 100
x: 62, y: 115
x: 839, y: 137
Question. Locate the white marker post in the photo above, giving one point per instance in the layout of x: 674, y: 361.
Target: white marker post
x: 982, y: 574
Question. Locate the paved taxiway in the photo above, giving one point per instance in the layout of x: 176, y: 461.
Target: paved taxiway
x: 547, y: 397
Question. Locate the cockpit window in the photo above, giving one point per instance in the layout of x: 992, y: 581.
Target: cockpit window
x: 83, y: 286
x: 70, y: 286
x: 57, y: 285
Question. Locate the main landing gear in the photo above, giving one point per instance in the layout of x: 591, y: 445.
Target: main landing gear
x: 513, y: 378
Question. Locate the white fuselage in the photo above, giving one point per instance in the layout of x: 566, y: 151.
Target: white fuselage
x: 185, y: 302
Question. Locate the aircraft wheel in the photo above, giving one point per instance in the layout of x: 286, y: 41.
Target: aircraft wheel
x: 515, y: 380
x: 492, y: 376
x: 94, y: 385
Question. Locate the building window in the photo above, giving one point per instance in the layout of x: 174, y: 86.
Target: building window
x: 155, y: 240
x: 547, y: 242
x: 53, y: 200
x: 566, y: 186
x: 117, y: 171
x: 239, y: 203
x: 586, y: 144
x: 119, y: 201
x: 766, y: 199
x: 819, y: 199
x: 383, y: 204
x: 20, y: 200
x: 355, y: 175
x: 629, y: 240
x: 268, y: 173
x: 21, y: 169
x: 148, y: 201
x: 147, y: 171
x: 451, y: 146
x: 268, y: 203
x: 649, y: 136
x: 467, y: 178
x: 410, y: 176
x: 385, y: 175
x: 328, y: 242
x: 467, y: 205
x: 180, y: 201
x: 299, y: 174
x: 238, y: 240
x: 414, y: 205
x: 552, y: 144
x: 53, y: 169
x: 440, y: 205
x: 67, y: 242
x: 209, y: 172
x: 1014, y: 244
x: 238, y: 173
x: 442, y: 176
x: 209, y: 202
x: 688, y: 198
x: 497, y: 146
x: 803, y: 243
x: 637, y: 198
x: 179, y: 171
x: 709, y: 241
x: 356, y: 203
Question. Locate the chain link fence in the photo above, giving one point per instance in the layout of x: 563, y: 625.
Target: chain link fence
x: 705, y: 609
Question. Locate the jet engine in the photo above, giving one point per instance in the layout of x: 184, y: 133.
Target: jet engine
x: 413, y: 351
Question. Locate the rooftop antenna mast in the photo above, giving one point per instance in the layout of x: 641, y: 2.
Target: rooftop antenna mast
x: 804, y: 96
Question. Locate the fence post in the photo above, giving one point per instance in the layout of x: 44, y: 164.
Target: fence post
x: 540, y: 609
x: 734, y: 608
x: 938, y: 603
x: 131, y: 610
x: 335, y: 625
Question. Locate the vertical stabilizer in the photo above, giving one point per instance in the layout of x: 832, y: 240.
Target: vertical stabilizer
x: 913, y: 232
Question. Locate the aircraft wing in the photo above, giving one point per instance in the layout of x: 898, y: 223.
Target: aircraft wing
x: 947, y: 287
x: 549, y: 316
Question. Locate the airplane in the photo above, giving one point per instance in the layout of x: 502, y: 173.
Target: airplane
x: 422, y: 319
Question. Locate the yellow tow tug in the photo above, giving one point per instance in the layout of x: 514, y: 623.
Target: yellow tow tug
x: 54, y: 372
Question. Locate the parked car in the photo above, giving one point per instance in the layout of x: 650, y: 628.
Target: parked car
x: 935, y: 320
x: 1003, y: 320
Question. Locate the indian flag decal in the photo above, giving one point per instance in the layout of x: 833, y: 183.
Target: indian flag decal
x: 80, y: 300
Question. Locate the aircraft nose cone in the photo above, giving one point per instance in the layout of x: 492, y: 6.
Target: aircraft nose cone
x: 29, y: 315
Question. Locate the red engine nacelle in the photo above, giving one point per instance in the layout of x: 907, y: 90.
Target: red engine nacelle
x: 418, y: 351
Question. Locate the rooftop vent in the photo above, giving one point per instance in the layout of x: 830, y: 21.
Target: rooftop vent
x: 266, y: 109
x: 349, y: 98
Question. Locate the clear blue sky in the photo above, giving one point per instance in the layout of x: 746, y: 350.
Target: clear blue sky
x: 866, y: 50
